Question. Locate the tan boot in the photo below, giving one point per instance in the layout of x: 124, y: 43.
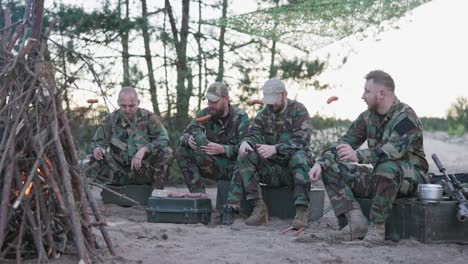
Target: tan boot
x: 302, y: 217
x: 259, y: 215
x: 376, y: 232
x: 357, y: 225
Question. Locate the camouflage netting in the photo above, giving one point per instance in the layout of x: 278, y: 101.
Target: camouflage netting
x: 312, y: 24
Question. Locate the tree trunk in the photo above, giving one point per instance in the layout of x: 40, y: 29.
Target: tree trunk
x: 149, y: 61
x: 124, y: 42
x: 220, y: 76
x: 183, y: 93
x: 199, y: 56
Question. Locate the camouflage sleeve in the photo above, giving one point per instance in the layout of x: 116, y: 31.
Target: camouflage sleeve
x: 233, y: 150
x: 187, y: 131
x: 103, y: 134
x: 301, y: 130
x: 254, y: 133
x: 158, y: 136
x: 355, y: 137
x: 402, y: 134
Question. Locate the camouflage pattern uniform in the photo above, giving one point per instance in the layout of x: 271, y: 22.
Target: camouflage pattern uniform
x: 290, y: 133
x: 396, y: 153
x: 124, y: 139
x: 195, y: 164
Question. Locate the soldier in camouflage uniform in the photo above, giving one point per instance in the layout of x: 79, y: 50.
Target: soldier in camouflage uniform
x: 395, y: 150
x: 210, y: 149
x: 274, y: 152
x: 138, y: 145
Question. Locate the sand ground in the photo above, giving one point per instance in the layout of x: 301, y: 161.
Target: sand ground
x: 138, y: 241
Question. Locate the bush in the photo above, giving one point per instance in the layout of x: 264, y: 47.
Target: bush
x: 457, y: 130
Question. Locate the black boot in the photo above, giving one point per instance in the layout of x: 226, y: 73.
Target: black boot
x: 227, y: 216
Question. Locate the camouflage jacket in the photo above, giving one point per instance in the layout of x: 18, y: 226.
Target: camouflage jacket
x: 125, y: 139
x: 397, y: 135
x: 228, y: 131
x: 289, y: 131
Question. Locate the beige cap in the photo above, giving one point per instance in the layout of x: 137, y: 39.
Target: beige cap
x: 272, y: 90
x: 216, y: 91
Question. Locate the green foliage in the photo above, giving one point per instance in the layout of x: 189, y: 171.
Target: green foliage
x: 458, y: 114
x: 457, y: 130
x: 320, y: 122
x: 326, y: 130
x: 434, y: 124
x: 83, y: 123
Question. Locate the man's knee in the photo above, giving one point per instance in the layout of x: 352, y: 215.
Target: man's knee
x: 389, y: 169
x: 165, y: 156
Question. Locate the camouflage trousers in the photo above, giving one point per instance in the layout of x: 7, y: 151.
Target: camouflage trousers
x: 196, y: 164
x: 252, y: 170
x: 155, y: 170
x: 345, y: 181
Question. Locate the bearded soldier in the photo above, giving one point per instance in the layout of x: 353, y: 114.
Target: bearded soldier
x: 395, y: 154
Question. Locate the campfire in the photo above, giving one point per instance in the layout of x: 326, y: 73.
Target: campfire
x: 45, y: 205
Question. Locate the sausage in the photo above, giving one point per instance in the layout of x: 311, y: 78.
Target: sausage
x: 92, y: 101
x: 256, y: 101
x: 332, y: 99
x: 203, y: 119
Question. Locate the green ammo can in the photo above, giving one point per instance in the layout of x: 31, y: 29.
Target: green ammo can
x: 426, y: 222
x: 178, y: 210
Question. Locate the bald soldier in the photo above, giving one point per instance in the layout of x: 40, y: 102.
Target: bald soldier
x: 395, y: 154
x: 131, y: 146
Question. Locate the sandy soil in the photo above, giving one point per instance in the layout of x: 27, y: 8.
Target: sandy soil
x: 138, y: 241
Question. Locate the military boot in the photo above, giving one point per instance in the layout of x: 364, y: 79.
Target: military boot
x: 357, y: 225
x: 227, y: 216
x: 302, y: 217
x: 376, y: 232
x: 259, y: 215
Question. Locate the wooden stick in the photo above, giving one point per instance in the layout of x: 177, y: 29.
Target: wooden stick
x: 20, y: 238
x: 98, y: 217
x: 51, y: 250
x: 7, y: 180
x: 76, y: 225
x: 6, y: 33
x: 114, y: 192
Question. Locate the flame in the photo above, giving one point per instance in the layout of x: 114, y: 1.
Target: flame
x: 28, y: 189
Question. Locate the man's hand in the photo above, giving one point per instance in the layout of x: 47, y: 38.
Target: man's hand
x: 213, y: 149
x: 136, y: 161
x: 191, y: 142
x: 266, y: 151
x: 315, y: 174
x: 346, y: 153
x: 99, y: 153
x: 244, y: 149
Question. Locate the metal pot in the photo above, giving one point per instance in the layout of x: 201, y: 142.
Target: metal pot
x: 430, y: 193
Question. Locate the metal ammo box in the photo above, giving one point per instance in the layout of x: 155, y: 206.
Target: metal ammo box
x: 178, y: 210
x: 426, y: 222
x: 139, y: 193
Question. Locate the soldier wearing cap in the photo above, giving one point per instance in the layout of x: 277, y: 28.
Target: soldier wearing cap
x: 209, y: 149
x: 138, y: 145
x: 275, y: 152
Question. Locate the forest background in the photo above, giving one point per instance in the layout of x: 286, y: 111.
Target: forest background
x: 172, y: 50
